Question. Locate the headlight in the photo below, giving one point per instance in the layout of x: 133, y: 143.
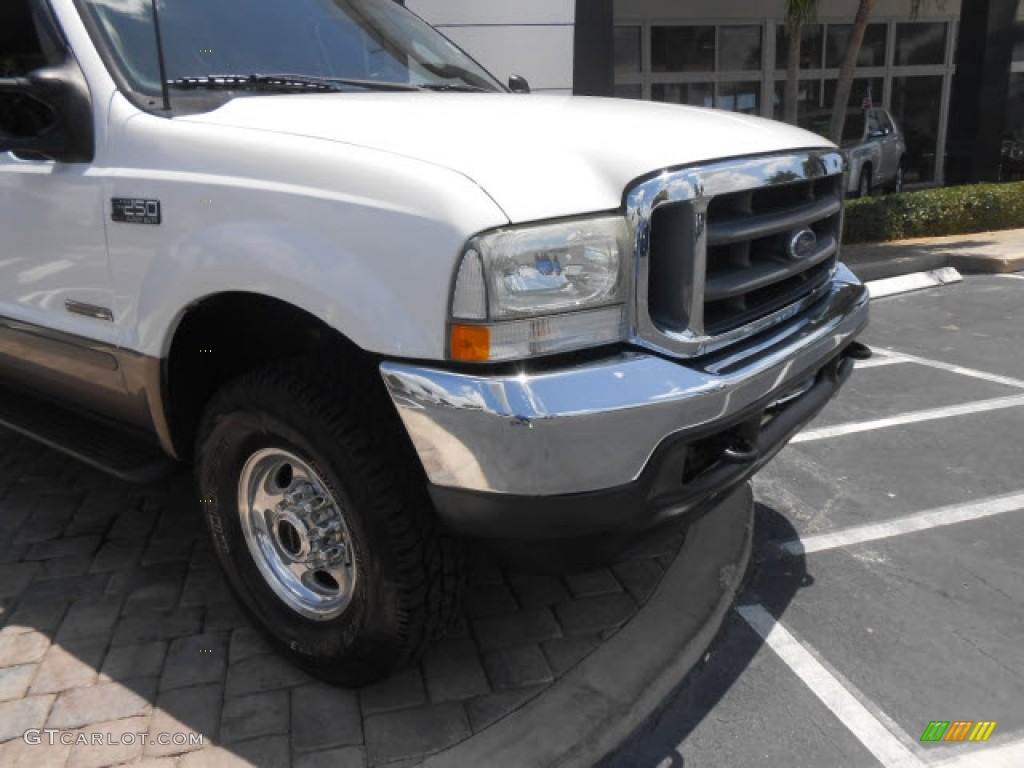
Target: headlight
x: 541, y: 289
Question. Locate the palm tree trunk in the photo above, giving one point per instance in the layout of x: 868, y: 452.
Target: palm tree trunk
x: 791, y: 101
x: 849, y: 65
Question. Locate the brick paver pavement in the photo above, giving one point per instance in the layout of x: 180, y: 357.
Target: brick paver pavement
x: 115, y: 621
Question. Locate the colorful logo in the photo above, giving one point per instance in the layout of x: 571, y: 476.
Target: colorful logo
x: 958, y: 730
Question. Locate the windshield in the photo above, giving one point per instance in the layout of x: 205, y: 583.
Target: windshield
x: 359, y: 41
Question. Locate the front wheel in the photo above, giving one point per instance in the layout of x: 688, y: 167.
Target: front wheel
x: 321, y: 521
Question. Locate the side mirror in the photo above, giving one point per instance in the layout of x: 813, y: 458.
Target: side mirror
x: 518, y: 84
x: 57, y: 107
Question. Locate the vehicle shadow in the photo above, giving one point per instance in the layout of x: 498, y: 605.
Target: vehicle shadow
x: 773, y: 583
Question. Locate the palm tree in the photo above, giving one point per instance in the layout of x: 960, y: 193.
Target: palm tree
x: 849, y: 65
x: 798, y: 13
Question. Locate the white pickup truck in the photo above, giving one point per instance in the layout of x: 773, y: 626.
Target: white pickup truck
x: 382, y: 303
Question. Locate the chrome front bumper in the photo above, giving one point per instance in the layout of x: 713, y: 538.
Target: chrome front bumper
x: 596, y: 425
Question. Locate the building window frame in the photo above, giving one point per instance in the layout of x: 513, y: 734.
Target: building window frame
x: 769, y: 76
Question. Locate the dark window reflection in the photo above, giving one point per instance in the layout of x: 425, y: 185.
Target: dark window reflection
x: 810, y: 46
x: 1012, y: 166
x: 920, y: 44
x: 739, y: 48
x: 740, y: 97
x: 694, y: 94
x: 682, y: 49
x: 23, y: 50
x: 866, y: 91
x: 629, y: 91
x: 872, y: 50
x: 810, y: 114
x: 1015, y: 108
x: 915, y: 105
x: 627, y: 50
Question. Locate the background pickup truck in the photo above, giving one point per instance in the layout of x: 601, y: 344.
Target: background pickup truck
x: 875, y: 147
x: 383, y: 304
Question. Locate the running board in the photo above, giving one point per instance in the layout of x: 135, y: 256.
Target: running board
x: 99, y: 444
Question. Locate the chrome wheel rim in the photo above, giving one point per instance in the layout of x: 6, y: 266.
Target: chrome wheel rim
x: 297, y: 534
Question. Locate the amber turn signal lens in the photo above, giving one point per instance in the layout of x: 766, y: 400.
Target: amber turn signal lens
x: 471, y: 342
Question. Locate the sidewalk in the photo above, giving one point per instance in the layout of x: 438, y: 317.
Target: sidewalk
x: 115, y: 620
x: 982, y: 252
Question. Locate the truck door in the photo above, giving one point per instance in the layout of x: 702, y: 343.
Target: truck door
x: 57, y: 333
x: 890, y: 145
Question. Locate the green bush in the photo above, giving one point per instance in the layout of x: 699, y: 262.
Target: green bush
x: 935, y: 213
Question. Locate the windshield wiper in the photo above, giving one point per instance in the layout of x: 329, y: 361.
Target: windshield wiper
x: 470, y: 80
x: 375, y: 85
x: 454, y: 87
x: 284, y: 82
x: 253, y: 82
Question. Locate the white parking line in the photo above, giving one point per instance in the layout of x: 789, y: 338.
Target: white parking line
x: 888, y: 749
x: 995, y: 378
x: 920, y: 521
x: 913, y: 417
x: 878, y: 362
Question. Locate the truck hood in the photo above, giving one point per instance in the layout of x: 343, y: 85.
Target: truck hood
x: 537, y: 156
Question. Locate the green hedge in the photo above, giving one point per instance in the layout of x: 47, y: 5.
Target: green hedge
x: 935, y: 213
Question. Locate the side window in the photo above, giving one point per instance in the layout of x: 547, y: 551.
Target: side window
x: 24, y: 48
x: 884, y: 122
x: 873, y: 123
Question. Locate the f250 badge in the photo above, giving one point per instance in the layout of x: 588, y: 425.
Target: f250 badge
x: 133, y: 211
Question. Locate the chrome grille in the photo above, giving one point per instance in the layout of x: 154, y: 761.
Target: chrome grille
x: 726, y: 249
x: 750, y: 270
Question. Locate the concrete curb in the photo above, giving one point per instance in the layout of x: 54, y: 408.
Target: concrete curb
x: 596, y: 706
x: 915, y: 281
x: 980, y: 263
x: 980, y: 253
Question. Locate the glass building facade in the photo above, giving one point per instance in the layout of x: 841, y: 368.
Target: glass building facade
x: 1015, y: 111
x: 905, y: 65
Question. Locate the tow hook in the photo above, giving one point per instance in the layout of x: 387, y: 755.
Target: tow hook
x: 858, y: 351
x: 741, y: 451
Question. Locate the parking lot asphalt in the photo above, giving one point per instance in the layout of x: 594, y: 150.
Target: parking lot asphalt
x: 887, y: 590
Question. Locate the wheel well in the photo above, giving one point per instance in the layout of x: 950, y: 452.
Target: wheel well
x: 228, y: 335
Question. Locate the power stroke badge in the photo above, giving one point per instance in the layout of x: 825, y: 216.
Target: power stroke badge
x: 130, y: 210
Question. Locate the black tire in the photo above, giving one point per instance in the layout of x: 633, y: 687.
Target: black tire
x: 409, y: 573
x: 864, y: 183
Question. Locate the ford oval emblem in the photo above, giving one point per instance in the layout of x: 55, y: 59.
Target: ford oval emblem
x: 802, y: 245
